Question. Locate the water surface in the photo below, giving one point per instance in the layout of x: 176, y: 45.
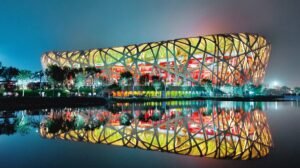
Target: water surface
x: 71, y: 137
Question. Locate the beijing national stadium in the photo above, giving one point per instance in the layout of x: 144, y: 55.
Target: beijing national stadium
x: 234, y: 59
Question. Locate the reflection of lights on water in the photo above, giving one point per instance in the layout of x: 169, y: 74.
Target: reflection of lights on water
x: 200, y: 136
x: 276, y: 106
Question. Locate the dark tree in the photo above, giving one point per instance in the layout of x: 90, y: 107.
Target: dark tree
x: 7, y: 127
x: 114, y: 87
x: 143, y: 117
x: 125, y: 80
x: 156, y: 83
x: 56, y: 73
x: 156, y: 116
x: 113, y: 108
x: 71, y: 74
x: 144, y: 79
x: 54, y: 125
x: 38, y: 75
x: 156, y: 78
x: 206, y: 81
x: 126, y: 75
x: 92, y: 71
x: 7, y: 73
x: 125, y: 119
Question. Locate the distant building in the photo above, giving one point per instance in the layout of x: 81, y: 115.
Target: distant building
x: 222, y: 59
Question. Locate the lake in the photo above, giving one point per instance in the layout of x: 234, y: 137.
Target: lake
x: 153, y: 134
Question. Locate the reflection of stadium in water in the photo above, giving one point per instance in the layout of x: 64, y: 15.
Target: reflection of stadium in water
x: 235, y: 130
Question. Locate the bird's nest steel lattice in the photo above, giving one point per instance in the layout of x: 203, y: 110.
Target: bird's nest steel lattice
x: 215, y: 133
x: 223, y: 59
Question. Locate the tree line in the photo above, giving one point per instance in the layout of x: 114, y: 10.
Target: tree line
x: 69, y: 79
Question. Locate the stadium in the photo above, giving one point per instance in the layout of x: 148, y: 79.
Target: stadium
x: 233, y: 59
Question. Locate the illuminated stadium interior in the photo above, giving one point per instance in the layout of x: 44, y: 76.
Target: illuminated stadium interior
x: 233, y: 59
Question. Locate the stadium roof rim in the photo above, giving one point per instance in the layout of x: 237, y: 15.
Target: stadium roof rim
x: 219, y: 34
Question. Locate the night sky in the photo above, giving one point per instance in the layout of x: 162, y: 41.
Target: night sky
x: 30, y: 27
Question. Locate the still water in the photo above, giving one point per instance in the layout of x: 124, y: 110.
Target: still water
x: 153, y: 134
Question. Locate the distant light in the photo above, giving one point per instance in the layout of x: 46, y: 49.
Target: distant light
x: 275, y: 84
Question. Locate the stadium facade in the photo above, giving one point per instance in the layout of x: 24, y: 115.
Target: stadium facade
x: 233, y: 59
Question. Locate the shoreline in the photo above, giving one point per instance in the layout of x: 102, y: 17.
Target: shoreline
x: 20, y: 103
x: 255, y: 99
